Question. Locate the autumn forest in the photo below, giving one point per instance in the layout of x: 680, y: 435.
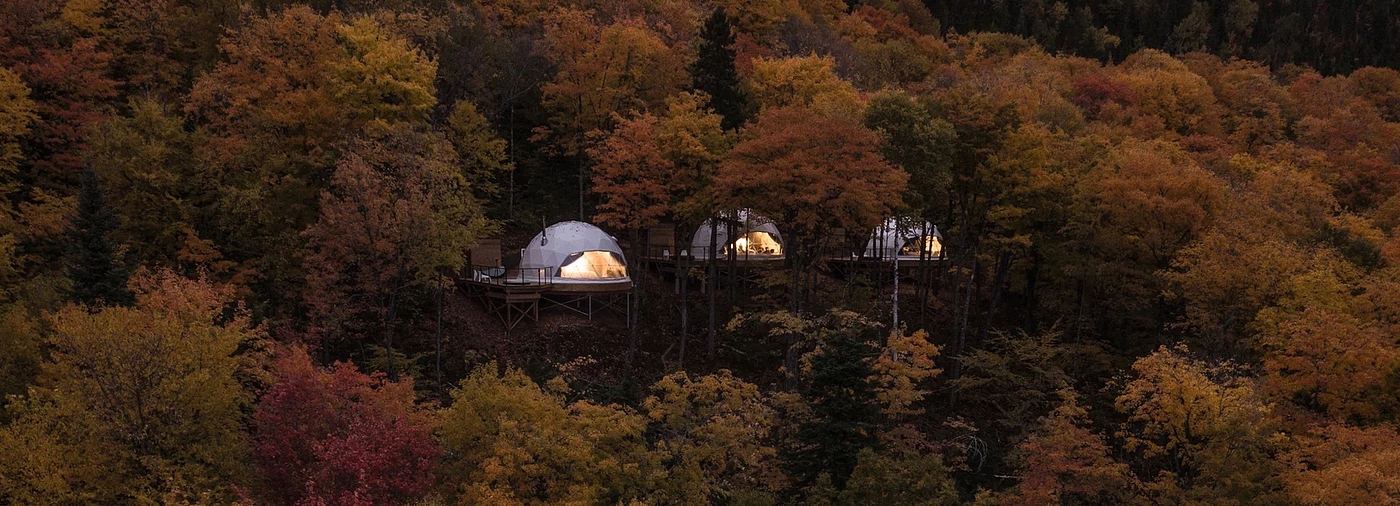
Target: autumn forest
x: 238, y: 237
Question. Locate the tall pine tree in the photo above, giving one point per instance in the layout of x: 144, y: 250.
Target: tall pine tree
x: 713, y: 71
x: 844, y: 412
x: 91, y: 264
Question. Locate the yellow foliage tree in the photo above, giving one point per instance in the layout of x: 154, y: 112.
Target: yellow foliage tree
x: 511, y: 442
x: 712, y: 432
x: 16, y: 113
x: 1322, y: 350
x: 483, y: 153
x: 1201, y: 431
x: 809, y: 81
x: 1254, y: 105
x: 153, y: 178
x: 1259, y: 243
x: 1156, y: 200
x: 1226, y: 279
x: 913, y: 478
x: 19, y: 345
x: 691, y: 138
x: 616, y: 68
x: 905, y: 363
x: 759, y: 18
x: 511, y: 13
x: 1168, y: 90
x: 21, y: 351
x: 136, y: 403
x: 384, y: 78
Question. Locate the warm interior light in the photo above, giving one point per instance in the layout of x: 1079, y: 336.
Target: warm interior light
x: 757, y: 243
x: 931, y: 246
x: 594, y: 265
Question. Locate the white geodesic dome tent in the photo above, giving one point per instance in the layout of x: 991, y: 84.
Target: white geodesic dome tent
x: 903, y: 238
x: 575, y: 252
x: 757, y: 238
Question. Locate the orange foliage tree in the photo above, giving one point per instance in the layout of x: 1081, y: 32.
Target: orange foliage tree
x: 1336, y: 464
x: 649, y: 168
x: 811, y: 174
x: 1064, y: 462
x: 631, y: 175
x: 634, y: 181
x: 398, y: 214
x: 616, y: 68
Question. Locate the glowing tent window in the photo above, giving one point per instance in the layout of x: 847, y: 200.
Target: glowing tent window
x: 931, y: 245
x: 756, y: 243
x: 593, y: 265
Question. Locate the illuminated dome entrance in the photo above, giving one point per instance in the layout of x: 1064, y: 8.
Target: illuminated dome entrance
x: 757, y: 239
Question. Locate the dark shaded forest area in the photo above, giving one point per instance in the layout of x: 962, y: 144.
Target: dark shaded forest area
x: 235, y: 238
x: 1331, y: 37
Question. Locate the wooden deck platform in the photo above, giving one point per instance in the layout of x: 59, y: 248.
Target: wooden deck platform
x: 596, y: 288
x: 516, y: 296
x: 512, y: 301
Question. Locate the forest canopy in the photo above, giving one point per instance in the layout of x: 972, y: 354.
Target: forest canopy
x: 236, y: 238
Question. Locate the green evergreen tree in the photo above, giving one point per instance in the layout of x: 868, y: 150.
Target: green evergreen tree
x: 910, y: 479
x: 713, y: 71
x: 844, y: 412
x: 1193, y: 33
x: 91, y: 264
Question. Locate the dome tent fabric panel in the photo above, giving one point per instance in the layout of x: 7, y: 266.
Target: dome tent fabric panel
x: 755, y: 242
x: 593, y: 265
x: 758, y: 237
x: 563, y: 250
x: 902, y: 238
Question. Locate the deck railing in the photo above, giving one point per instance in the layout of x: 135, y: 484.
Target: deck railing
x: 510, y: 276
x: 663, y: 252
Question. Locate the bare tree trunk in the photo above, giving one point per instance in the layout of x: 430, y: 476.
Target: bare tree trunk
x: 921, y: 279
x: 1031, y: 279
x: 962, y: 332
x: 710, y: 272
x: 683, y: 272
x: 793, y: 305
x: 437, y: 368
x: 1079, y: 295
x: 848, y: 271
x: 1003, y: 265
x: 578, y: 158
x: 389, y: 323
x: 926, y: 262
x: 894, y: 326
x: 733, y: 228
x: 639, y: 287
x: 966, y: 306
x: 790, y: 354
x: 510, y: 195
x: 811, y: 288
x: 633, y: 310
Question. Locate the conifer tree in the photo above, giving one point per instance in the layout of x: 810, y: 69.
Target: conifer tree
x: 91, y: 263
x: 713, y: 71
x: 844, y: 411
